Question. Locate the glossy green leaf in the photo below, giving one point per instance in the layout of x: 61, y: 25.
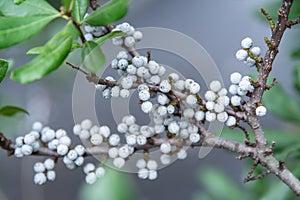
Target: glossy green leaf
x: 281, y: 104
x: 18, y: 2
x: 44, y: 63
x: 112, y: 34
x: 14, y: 30
x: 35, y: 50
x: 27, y: 8
x: 9, y: 111
x: 79, y: 9
x: 3, y: 69
x: 219, y: 185
x: 76, y: 45
x: 92, y: 57
x: 68, y: 30
x: 114, y: 185
x: 109, y: 13
x: 67, y: 4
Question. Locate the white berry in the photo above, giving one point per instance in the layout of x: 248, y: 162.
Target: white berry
x: 261, y: 111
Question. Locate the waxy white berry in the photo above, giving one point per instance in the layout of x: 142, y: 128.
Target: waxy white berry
x: 49, y: 164
x: 37, y: 126
x: 191, y: 100
x: 89, y: 167
x: 247, y: 43
x: 173, y: 127
x: 231, y: 121
x: 100, y: 172
x: 40, y: 178
x: 141, y: 163
x: 165, y: 159
x: 72, y: 154
x: 210, y: 95
x: 80, y: 150
x: 165, y: 147
x: 39, y: 167
x: 194, y: 137
x: 119, y: 162
x: 165, y: 86
x: 113, y: 152
x: 236, y: 100
x: 114, y: 140
x: 209, y: 116
x: 215, y: 86
x: 194, y: 88
x: 152, y: 165
x: 146, y: 106
x: 241, y: 55
x: 143, y: 173
x: 91, y: 178
x: 235, y: 77
x: 51, y: 175
x: 256, y: 51
x: 261, y: 111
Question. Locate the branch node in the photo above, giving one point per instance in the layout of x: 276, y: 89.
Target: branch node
x: 6, y: 144
x: 274, y: 82
x: 281, y: 165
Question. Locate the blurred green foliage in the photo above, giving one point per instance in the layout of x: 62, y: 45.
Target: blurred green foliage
x: 115, y: 185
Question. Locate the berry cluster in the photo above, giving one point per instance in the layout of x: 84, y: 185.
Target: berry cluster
x: 147, y: 169
x: 91, y: 32
x: 92, y: 173
x: 248, y: 49
x: 44, y: 171
x: 175, y: 104
x: 132, y: 36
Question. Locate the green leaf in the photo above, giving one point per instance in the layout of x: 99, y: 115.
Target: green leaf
x: 296, y: 77
x: 35, y: 50
x: 92, y: 57
x: 3, y: 69
x: 281, y: 104
x: 9, y: 111
x: 14, y: 30
x: 79, y: 9
x: 114, y: 185
x: 51, y: 55
x: 296, y: 54
x: 112, y: 34
x: 109, y: 13
x: 18, y: 2
x: 27, y: 8
x: 67, y: 4
x: 219, y: 185
x: 76, y: 45
x: 68, y: 30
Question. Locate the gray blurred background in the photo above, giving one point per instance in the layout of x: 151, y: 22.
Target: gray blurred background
x: 217, y: 25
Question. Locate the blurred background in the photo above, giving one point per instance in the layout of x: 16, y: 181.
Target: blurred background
x: 219, y: 27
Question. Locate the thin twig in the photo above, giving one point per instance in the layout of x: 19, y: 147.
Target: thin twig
x: 77, y: 68
x: 259, y: 176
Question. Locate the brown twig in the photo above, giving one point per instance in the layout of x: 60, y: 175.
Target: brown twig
x: 249, y: 175
x: 6, y: 144
x: 94, y: 4
x: 259, y: 176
